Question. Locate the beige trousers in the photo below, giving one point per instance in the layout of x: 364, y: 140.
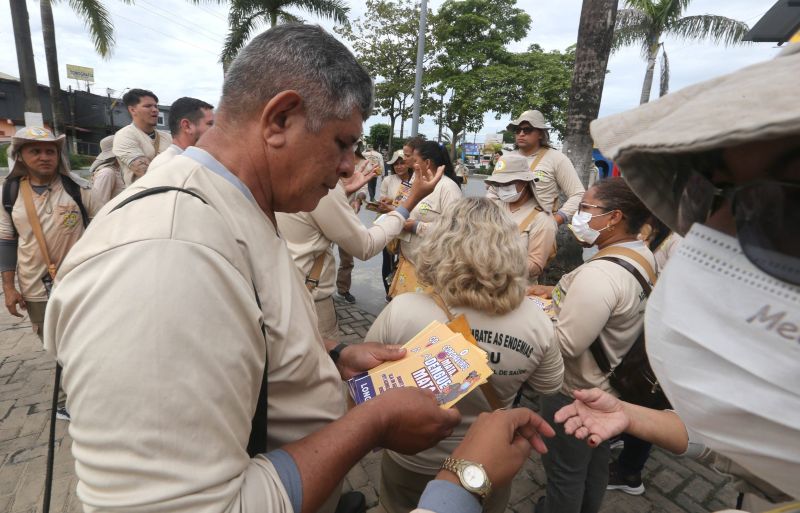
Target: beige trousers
x: 326, y: 319
x: 36, y: 315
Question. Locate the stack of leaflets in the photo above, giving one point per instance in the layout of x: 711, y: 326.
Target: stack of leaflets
x: 545, y: 304
x: 437, y: 359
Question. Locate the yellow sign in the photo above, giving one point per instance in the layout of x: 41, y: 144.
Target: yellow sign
x: 795, y: 38
x: 80, y: 73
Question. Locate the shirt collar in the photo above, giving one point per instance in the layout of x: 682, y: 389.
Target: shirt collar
x: 205, y: 159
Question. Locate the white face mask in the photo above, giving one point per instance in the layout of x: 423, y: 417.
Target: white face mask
x: 508, y: 193
x: 723, y: 338
x: 581, y: 230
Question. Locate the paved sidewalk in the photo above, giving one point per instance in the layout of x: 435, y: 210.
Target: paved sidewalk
x: 26, y: 374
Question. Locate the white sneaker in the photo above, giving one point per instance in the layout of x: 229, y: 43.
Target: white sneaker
x: 62, y: 414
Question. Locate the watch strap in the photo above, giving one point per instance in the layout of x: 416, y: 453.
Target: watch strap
x: 456, y: 466
x: 336, y: 352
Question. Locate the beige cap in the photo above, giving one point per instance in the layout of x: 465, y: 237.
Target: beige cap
x: 106, y: 152
x: 658, y: 144
x: 534, y: 117
x: 397, y: 155
x: 31, y: 134
x: 511, y: 168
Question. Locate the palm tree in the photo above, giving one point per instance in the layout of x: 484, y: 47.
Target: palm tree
x: 27, y: 68
x: 247, y: 15
x: 101, y: 30
x: 646, y: 21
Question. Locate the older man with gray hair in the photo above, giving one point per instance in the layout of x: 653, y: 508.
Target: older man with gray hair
x: 208, y: 386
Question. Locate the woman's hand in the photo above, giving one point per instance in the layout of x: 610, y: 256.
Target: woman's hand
x: 385, y: 206
x: 545, y: 291
x: 594, y: 416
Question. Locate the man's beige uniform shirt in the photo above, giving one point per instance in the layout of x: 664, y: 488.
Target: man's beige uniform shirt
x: 163, y: 386
x: 521, y: 350
x: 130, y: 143
x: 165, y: 156
x: 428, y: 212
x: 539, y: 235
x: 106, y: 183
x: 599, y: 298
x: 62, y: 226
x: 309, y: 234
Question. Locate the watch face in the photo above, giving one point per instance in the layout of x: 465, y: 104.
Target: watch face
x: 473, y: 476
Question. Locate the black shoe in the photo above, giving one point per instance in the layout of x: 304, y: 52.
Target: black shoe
x: 539, y: 506
x: 62, y: 414
x: 352, y: 502
x: 628, y: 483
x: 347, y: 297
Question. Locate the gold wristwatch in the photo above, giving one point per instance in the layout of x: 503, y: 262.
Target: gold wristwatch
x: 472, y: 476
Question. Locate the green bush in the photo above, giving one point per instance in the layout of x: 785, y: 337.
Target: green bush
x: 80, y: 161
x: 4, y: 156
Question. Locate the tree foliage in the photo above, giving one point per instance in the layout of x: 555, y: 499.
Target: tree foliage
x: 246, y: 16
x: 379, y: 136
x: 385, y: 42
x: 645, y: 22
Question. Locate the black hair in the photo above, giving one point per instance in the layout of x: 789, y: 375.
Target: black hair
x: 415, y: 142
x: 430, y: 150
x: 134, y: 96
x: 659, y: 234
x: 617, y: 195
x: 186, y: 108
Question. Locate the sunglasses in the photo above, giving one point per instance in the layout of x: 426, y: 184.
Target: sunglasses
x: 766, y: 214
x: 524, y: 129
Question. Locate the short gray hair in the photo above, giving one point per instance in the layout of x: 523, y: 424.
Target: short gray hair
x: 303, y: 58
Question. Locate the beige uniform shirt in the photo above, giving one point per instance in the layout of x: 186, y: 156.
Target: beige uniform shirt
x: 106, y: 183
x: 521, y: 349
x: 62, y: 226
x: 166, y: 155
x: 428, y: 212
x: 390, y: 188
x: 539, y: 235
x: 599, y: 298
x: 162, y: 391
x: 130, y: 143
x: 309, y: 234
x: 554, y: 175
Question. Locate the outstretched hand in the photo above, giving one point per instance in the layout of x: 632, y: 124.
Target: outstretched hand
x: 501, y: 441
x: 594, y: 416
x: 425, y: 181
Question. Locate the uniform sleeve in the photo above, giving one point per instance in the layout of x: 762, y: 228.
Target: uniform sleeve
x: 126, y: 148
x: 103, y: 184
x: 385, y: 187
x: 584, y: 310
x: 450, y: 193
x: 338, y: 223
x: 549, y: 375
x: 541, y: 239
x: 7, y: 230
x: 570, y: 185
x: 178, y: 384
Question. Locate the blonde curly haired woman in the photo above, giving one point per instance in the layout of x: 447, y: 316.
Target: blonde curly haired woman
x: 460, y: 259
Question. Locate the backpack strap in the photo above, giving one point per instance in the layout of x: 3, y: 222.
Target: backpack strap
x: 10, y: 194
x: 596, y: 348
x: 629, y: 253
x: 74, y: 190
x: 312, y: 278
x: 257, y: 443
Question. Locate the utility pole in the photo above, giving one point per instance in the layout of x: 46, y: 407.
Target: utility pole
x: 423, y: 15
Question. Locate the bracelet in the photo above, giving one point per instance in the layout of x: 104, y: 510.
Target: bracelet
x: 336, y: 352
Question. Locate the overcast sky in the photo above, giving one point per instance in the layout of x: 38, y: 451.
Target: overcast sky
x: 172, y: 47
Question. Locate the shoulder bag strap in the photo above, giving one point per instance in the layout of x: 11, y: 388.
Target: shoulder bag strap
x: 523, y: 226
x: 487, y: 388
x: 257, y: 443
x: 33, y: 218
x: 538, y: 159
x: 629, y: 253
x: 312, y: 278
x: 596, y: 348
x: 157, y: 142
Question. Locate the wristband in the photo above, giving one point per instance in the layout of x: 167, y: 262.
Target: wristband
x: 336, y: 352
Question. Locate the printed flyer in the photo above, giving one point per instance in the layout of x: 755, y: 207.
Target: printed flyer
x: 437, y: 359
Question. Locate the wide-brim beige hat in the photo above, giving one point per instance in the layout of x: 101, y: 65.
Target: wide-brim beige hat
x: 534, y: 117
x: 511, y: 168
x: 106, y: 152
x: 659, y: 144
x: 397, y: 155
x: 31, y: 134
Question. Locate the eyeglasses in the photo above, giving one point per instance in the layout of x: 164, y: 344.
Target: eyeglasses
x: 766, y: 215
x: 582, y: 205
x: 524, y: 129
